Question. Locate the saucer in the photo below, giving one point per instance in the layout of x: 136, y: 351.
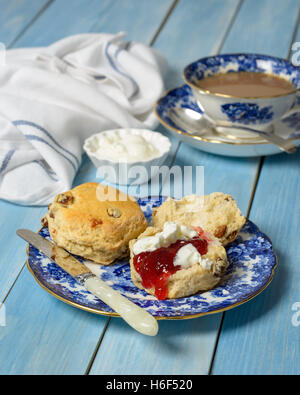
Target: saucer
x: 224, y: 141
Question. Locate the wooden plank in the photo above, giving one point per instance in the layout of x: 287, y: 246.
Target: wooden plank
x: 265, y: 324
x: 181, y: 347
x: 192, y: 350
x: 29, y: 308
x: 15, y: 16
x: 139, y: 19
x: 44, y: 335
x: 13, y: 217
x: 194, y: 30
x: 259, y: 337
x: 263, y: 27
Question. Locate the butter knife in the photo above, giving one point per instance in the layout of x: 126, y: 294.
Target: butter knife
x: 135, y: 316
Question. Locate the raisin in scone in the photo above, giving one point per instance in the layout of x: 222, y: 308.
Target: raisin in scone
x: 176, y: 261
x: 216, y: 213
x: 95, y: 221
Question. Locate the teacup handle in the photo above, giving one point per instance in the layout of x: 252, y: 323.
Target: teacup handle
x: 296, y: 106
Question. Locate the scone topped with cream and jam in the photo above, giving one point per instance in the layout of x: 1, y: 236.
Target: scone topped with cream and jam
x: 216, y: 213
x: 176, y: 261
x: 95, y: 221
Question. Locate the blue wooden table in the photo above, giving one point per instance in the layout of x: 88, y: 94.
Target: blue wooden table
x: 45, y: 336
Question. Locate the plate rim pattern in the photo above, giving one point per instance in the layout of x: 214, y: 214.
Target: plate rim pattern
x: 167, y: 317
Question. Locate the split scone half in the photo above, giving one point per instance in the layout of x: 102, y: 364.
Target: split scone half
x: 95, y: 221
x: 176, y: 261
x: 216, y: 213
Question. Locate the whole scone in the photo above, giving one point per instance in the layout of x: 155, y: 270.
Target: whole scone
x: 216, y: 213
x: 187, y: 280
x: 95, y: 221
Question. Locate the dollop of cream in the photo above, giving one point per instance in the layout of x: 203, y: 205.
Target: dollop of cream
x: 124, y: 147
x: 188, y: 255
x: 170, y: 234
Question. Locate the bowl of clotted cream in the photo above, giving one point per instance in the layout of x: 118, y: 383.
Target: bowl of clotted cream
x: 127, y: 156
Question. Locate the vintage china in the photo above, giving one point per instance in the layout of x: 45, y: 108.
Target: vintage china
x: 259, y: 113
x: 226, y: 142
x: 252, y: 264
x: 134, y: 172
x: 190, y: 119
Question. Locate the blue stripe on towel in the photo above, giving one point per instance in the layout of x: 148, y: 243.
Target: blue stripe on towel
x: 37, y: 138
x: 100, y: 77
x: 6, y: 160
x: 28, y: 123
x: 50, y: 172
x: 113, y: 65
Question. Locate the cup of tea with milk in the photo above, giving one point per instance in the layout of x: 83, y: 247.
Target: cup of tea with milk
x: 244, y: 90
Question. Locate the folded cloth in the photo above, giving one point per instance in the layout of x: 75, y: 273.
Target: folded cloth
x: 53, y: 98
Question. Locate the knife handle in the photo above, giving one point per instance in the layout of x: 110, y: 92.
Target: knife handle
x: 134, y: 315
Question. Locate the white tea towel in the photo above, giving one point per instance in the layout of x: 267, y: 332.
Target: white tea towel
x: 53, y: 98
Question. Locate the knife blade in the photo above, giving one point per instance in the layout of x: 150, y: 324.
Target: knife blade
x: 135, y: 316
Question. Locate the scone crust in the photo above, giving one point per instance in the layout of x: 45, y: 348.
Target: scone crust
x: 216, y: 213
x: 99, y: 230
x: 186, y: 282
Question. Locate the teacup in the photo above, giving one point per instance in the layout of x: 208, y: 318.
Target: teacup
x: 255, y: 112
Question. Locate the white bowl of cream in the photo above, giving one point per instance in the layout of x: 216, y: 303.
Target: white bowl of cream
x: 127, y: 156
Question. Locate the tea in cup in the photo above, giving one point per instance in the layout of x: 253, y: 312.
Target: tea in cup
x: 244, y: 89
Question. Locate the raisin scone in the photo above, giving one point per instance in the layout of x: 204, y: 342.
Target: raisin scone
x: 216, y: 213
x: 95, y: 221
x: 176, y: 261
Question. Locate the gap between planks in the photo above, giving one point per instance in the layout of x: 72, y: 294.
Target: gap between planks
x: 230, y: 24
x: 20, y: 34
x: 164, y: 21
x: 88, y: 369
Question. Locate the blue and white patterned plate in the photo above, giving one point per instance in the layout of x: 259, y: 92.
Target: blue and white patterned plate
x: 252, y: 263
x: 209, y: 141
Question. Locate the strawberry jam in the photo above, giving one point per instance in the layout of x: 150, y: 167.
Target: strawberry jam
x: 155, y: 267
